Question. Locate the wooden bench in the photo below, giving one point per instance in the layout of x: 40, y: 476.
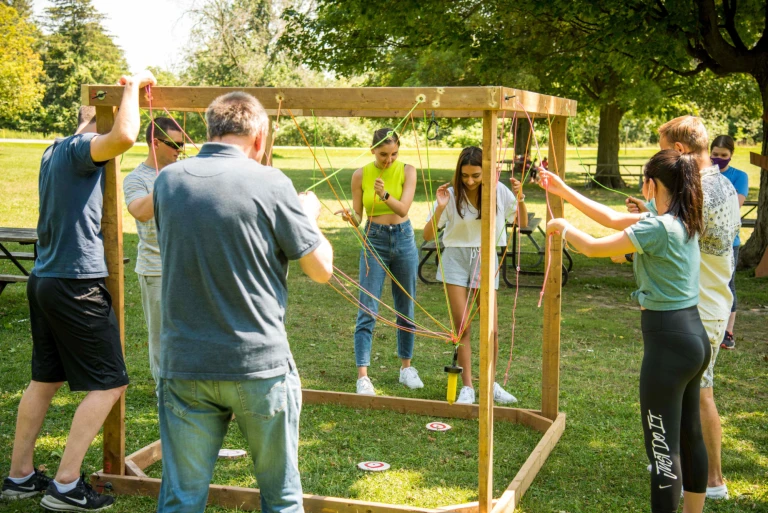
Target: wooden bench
x: 749, y: 222
x: 5, y: 279
x: 18, y: 256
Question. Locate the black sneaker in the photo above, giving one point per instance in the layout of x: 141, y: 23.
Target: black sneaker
x: 36, y: 483
x: 728, y: 342
x: 81, y: 498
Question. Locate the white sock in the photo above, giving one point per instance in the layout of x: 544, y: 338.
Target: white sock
x: 19, y: 480
x: 64, y: 488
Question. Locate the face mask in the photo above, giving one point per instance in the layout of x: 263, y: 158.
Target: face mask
x: 721, y: 163
x: 652, y: 206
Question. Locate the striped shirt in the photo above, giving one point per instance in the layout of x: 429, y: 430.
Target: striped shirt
x: 139, y: 183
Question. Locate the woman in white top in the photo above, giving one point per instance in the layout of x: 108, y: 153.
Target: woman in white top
x: 457, y: 209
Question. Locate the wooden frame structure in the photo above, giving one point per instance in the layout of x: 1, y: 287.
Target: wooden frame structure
x: 125, y: 473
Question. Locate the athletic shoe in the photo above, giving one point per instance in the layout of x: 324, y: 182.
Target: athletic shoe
x: 501, y: 396
x: 728, y: 342
x: 34, y: 484
x: 365, y: 387
x: 717, y: 492
x: 410, y: 378
x: 466, y: 396
x: 81, y: 498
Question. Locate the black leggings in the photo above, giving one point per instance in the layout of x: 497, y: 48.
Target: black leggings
x: 676, y: 353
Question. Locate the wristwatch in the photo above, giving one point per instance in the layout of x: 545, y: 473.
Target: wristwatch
x: 386, y: 196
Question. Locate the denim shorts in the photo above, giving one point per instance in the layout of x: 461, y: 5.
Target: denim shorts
x: 461, y: 267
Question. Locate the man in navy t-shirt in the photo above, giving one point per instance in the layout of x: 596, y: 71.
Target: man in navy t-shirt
x: 223, y: 344
x: 75, y: 335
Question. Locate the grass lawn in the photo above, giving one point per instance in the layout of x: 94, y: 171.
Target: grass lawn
x: 599, y: 464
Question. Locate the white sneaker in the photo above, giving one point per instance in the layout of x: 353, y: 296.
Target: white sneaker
x: 717, y: 492
x: 365, y: 387
x: 501, y: 396
x: 410, y: 378
x: 466, y: 396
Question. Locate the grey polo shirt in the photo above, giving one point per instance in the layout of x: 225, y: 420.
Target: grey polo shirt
x: 227, y: 227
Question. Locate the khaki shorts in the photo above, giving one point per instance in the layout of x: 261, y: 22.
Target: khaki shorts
x: 715, y: 333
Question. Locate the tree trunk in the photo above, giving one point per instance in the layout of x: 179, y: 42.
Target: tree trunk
x: 524, y: 138
x: 751, y: 252
x: 608, y: 142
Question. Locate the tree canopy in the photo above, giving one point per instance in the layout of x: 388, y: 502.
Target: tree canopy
x: 20, y: 68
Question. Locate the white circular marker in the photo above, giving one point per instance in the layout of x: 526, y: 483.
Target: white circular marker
x: 231, y: 454
x: 373, y: 466
x: 438, y: 426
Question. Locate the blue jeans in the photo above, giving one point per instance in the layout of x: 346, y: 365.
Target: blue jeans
x: 194, y: 416
x: 396, y: 248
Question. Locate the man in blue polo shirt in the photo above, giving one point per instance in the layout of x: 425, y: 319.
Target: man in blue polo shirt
x: 224, y: 347
x: 75, y: 336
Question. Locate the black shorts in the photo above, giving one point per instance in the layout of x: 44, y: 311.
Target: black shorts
x: 75, y: 335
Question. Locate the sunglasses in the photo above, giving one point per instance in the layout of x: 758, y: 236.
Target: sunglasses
x: 172, y: 144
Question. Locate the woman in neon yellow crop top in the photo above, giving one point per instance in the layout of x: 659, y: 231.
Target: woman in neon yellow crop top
x: 385, y: 189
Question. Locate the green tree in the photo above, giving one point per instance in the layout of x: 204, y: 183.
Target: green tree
x: 553, y: 47
x: 20, y: 68
x: 234, y: 44
x: 77, y: 50
x: 23, y: 7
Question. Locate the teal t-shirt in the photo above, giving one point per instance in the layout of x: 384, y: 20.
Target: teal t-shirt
x: 667, y: 264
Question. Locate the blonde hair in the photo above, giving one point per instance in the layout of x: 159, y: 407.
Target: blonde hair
x: 688, y: 131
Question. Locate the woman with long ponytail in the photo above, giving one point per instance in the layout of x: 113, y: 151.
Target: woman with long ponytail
x: 664, y: 247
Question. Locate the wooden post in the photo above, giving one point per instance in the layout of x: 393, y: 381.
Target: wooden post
x: 112, y: 233
x: 550, y: 372
x: 487, y: 311
x: 265, y: 160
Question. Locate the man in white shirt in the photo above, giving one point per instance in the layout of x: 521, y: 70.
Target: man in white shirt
x: 164, y: 143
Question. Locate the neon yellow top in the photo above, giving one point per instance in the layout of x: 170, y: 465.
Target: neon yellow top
x: 394, y: 178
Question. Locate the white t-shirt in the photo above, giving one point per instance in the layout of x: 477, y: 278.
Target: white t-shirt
x: 722, y: 220
x: 465, y: 232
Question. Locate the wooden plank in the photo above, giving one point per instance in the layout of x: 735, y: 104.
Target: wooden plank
x: 13, y: 278
x: 487, y: 311
x: 249, y: 499
x: 525, y: 476
x: 425, y: 407
x: 146, y: 456
x: 347, y: 98
x: 550, y: 372
x: 20, y: 235
x: 758, y: 160
x: 131, y: 469
x: 538, y: 104
x: 268, y: 142
x: 468, y: 507
x: 112, y: 233
x: 18, y: 256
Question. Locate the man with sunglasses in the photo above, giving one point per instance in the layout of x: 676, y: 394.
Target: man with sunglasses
x: 164, y: 143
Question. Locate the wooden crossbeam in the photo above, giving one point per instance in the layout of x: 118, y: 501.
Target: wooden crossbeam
x: 349, y: 99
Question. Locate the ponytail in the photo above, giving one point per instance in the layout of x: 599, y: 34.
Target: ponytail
x: 680, y: 175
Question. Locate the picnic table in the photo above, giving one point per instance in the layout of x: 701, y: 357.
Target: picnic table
x: 509, y: 258
x: 22, y: 236
x: 749, y: 222
x: 18, y: 236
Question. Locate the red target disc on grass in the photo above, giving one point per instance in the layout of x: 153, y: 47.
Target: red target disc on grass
x: 373, y: 466
x: 438, y: 426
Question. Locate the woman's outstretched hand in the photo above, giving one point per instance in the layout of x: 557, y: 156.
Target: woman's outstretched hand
x: 557, y: 225
x: 550, y: 182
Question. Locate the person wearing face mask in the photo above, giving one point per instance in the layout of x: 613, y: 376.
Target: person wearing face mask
x: 676, y: 351
x: 457, y: 209
x: 721, y: 153
x: 722, y: 221
x: 385, y: 189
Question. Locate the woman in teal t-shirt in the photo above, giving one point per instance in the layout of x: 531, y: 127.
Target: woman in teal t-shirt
x: 676, y: 348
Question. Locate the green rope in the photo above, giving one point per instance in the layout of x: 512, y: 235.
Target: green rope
x: 586, y: 169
